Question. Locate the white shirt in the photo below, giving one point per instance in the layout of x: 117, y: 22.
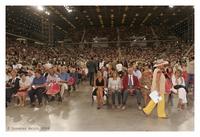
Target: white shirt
x: 114, y: 84
x: 51, y: 78
x: 26, y: 83
x: 119, y: 67
x: 101, y: 64
x: 19, y: 66
x: 130, y: 76
x: 180, y: 81
x: 14, y: 66
x: 137, y: 73
x: 31, y: 78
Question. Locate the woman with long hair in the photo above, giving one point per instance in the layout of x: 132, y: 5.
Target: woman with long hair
x: 114, y: 86
x: 99, y: 85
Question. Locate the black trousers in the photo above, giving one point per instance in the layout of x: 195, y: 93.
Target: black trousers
x: 91, y: 78
x: 9, y: 93
x: 36, y: 92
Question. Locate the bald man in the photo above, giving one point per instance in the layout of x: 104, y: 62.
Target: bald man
x: 131, y: 84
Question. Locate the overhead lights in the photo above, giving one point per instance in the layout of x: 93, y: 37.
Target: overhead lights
x: 112, y: 20
x: 68, y: 9
x: 84, y: 11
x: 40, y: 8
x: 46, y: 12
x: 123, y: 18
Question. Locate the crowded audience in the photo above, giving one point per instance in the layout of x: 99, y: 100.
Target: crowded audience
x: 46, y: 72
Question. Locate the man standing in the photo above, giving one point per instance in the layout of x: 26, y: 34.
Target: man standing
x: 91, y: 65
x: 137, y: 72
x: 158, y: 84
x: 119, y: 68
x: 131, y: 84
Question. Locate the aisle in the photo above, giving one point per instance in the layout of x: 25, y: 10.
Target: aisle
x: 77, y: 114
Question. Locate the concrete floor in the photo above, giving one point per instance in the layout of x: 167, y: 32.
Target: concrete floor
x: 77, y: 114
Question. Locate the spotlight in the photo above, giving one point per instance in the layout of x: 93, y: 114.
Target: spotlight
x: 68, y: 9
x: 46, y: 12
x: 40, y: 8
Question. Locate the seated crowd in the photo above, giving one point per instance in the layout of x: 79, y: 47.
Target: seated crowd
x: 46, y: 73
x: 45, y: 82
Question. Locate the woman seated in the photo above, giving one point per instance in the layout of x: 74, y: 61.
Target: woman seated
x: 179, y: 87
x: 52, y: 83
x: 115, y: 86
x: 99, y: 84
x: 24, y: 84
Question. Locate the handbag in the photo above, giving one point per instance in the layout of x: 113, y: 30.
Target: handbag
x: 180, y: 86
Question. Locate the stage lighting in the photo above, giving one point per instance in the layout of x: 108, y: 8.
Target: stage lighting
x: 68, y: 9
x: 40, y: 8
x: 46, y: 12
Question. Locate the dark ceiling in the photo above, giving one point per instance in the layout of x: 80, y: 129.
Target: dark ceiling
x: 28, y: 21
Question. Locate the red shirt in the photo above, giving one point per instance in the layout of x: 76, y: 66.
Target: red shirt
x: 135, y: 81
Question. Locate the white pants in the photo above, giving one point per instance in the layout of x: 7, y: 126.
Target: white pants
x: 64, y: 87
x: 181, y: 94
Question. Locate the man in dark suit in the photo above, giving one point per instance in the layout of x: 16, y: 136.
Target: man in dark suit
x: 12, y: 86
x: 91, y: 66
x: 131, y: 85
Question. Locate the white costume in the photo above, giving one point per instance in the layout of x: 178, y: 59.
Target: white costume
x: 181, y: 91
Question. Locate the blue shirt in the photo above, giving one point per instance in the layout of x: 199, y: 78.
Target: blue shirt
x: 39, y: 81
x: 64, y: 76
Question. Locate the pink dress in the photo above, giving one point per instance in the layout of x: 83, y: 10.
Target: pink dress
x: 53, y: 86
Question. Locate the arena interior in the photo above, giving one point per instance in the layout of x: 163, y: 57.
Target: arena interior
x: 68, y: 68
